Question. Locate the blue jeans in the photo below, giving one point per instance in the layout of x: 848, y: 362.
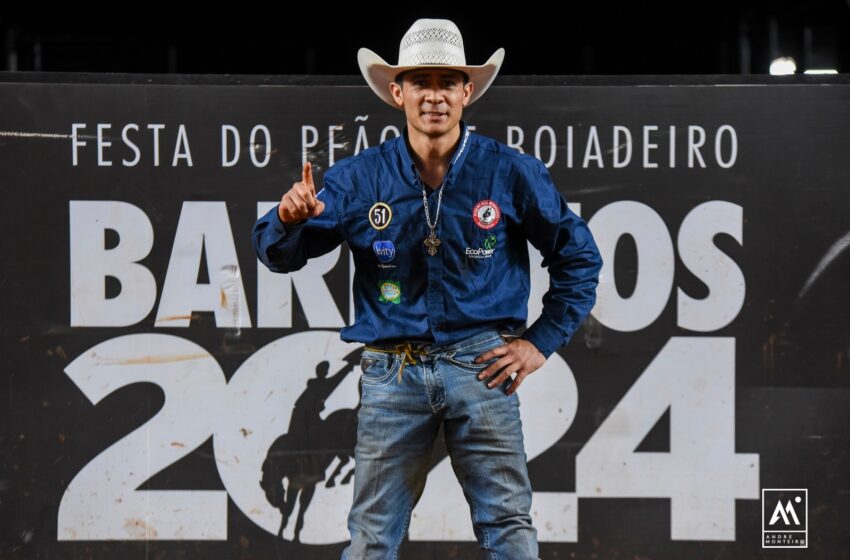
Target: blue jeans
x: 397, y: 426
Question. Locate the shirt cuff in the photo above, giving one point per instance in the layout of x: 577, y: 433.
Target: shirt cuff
x: 545, y: 336
x: 282, y: 227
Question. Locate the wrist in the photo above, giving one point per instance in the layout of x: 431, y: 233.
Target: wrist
x: 532, y: 339
x: 288, y: 223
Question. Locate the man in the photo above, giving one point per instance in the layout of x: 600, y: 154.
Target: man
x: 438, y: 221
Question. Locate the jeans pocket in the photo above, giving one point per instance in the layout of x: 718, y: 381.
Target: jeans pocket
x: 465, y: 358
x: 378, y: 369
x: 366, y: 363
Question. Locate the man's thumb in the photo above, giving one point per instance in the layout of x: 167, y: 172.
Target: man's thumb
x: 318, y: 208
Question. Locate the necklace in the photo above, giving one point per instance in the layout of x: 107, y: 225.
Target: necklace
x: 432, y: 241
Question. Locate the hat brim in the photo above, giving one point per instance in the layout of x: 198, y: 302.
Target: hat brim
x: 378, y: 73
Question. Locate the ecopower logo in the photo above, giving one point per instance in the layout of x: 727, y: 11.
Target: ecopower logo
x: 785, y: 517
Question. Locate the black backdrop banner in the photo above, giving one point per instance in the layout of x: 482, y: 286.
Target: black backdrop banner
x: 167, y: 395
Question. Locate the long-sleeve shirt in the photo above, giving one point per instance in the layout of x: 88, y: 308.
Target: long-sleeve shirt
x: 494, y: 199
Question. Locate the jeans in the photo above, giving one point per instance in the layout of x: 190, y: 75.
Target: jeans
x: 398, y: 422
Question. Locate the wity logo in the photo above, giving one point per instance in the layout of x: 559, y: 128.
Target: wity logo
x: 785, y: 517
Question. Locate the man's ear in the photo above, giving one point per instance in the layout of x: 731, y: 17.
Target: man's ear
x: 468, y: 88
x: 396, y: 92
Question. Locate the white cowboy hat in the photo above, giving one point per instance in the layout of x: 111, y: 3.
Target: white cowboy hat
x: 428, y: 43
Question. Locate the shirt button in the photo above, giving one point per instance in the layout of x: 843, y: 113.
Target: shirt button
x: 439, y: 326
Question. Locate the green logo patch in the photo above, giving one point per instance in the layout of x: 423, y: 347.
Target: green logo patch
x: 390, y: 291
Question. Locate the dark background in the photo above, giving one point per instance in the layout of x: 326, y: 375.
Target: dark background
x: 791, y: 404
x: 792, y: 363
x: 551, y: 38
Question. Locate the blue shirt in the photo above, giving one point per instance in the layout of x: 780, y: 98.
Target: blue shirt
x: 495, y: 198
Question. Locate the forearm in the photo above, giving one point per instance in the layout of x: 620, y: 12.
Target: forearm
x: 288, y: 247
x: 569, y: 253
x: 279, y: 246
x: 567, y: 303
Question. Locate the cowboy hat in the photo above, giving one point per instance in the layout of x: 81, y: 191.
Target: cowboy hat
x: 428, y: 43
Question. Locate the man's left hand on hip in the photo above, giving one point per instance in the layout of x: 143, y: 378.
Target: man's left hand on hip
x: 518, y: 355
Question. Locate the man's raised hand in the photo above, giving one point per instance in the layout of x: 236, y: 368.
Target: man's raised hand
x: 300, y: 202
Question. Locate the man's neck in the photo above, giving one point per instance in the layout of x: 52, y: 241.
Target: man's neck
x: 432, y: 154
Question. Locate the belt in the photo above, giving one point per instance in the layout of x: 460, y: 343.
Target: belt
x: 408, y: 349
x: 411, y: 349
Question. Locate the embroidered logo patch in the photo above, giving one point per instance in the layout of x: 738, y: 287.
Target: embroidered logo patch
x: 390, y: 291
x: 384, y: 250
x: 483, y: 252
x: 486, y: 214
x: 380, y: 215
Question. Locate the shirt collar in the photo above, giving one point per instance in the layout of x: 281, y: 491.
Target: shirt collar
x: 411, y: 173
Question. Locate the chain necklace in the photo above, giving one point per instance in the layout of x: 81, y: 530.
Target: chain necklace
x: 432, y: 241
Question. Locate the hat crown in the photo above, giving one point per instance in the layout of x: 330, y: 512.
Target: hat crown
x: 428, y: 43
x: 432, y: 41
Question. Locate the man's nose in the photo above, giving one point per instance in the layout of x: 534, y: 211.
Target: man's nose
x: 433, y: 92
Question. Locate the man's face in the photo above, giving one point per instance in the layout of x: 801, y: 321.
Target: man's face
x: 433, y: 99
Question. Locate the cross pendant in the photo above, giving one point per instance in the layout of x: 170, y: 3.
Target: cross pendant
x: 432, y: 242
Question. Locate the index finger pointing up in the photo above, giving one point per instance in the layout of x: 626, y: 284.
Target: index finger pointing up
x: 307, y: 175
